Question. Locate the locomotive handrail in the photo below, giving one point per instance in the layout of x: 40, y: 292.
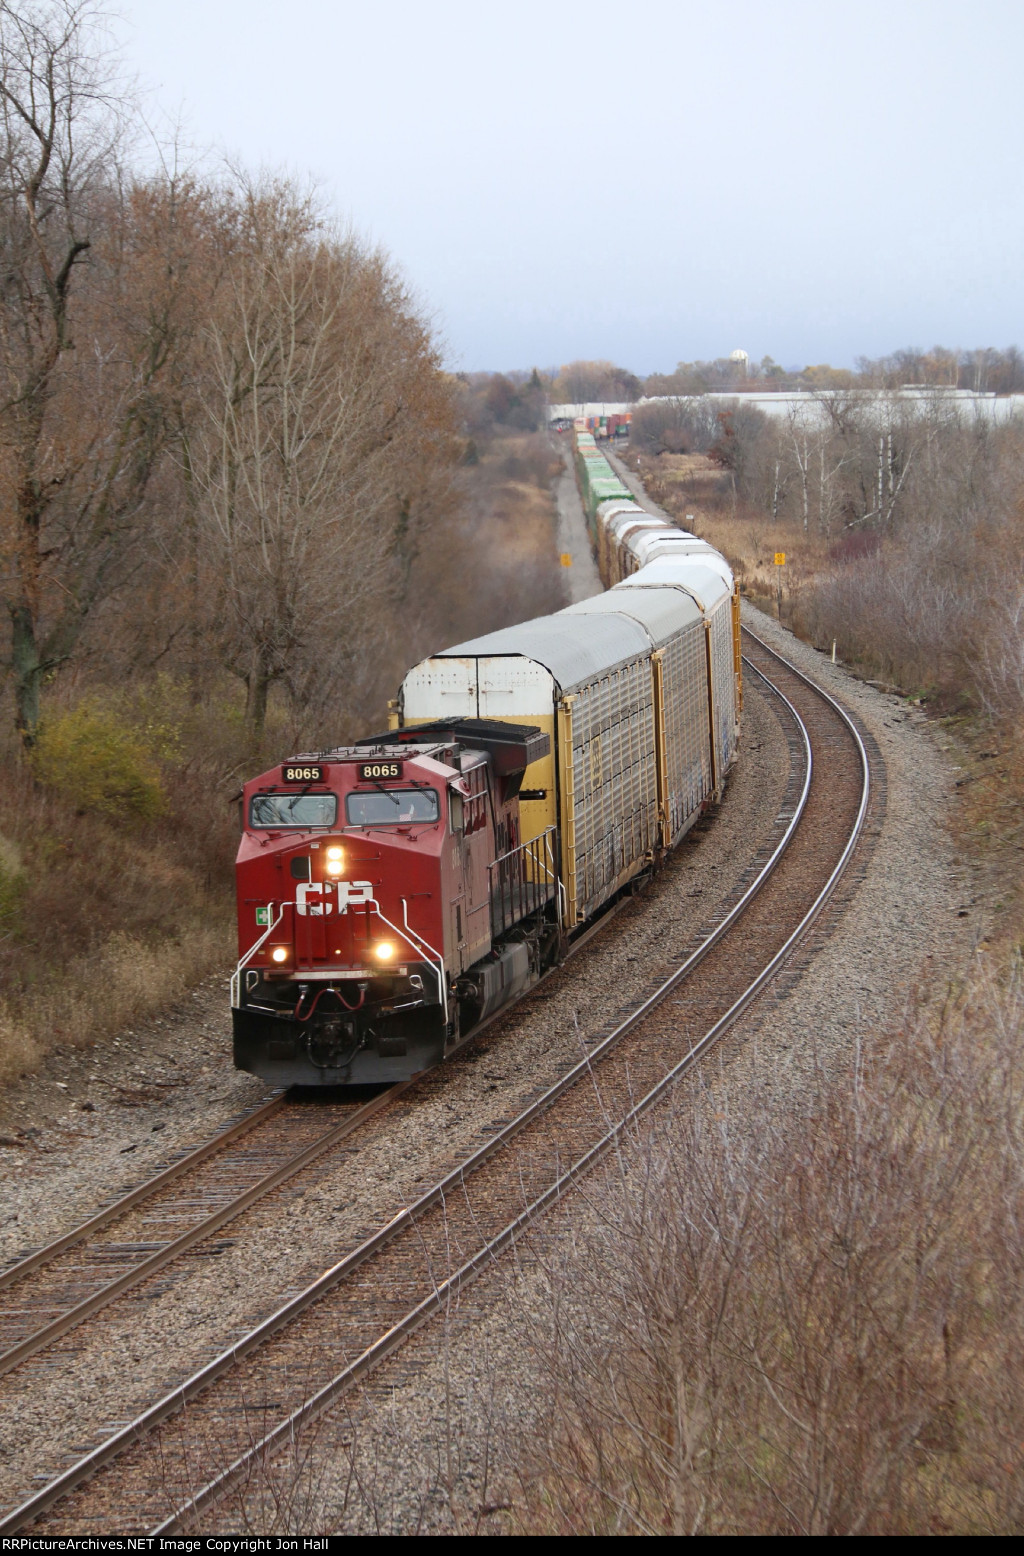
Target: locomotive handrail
x: 529, y: 894
x: 520, y: 847
x: 415, y: 939
x: 411, y: 936
x: 549, y: 835
x: 236, y: 976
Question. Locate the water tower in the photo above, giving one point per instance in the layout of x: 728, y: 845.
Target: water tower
x: 739, y: 359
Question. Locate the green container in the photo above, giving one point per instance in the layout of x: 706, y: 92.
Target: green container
x: 598, y: 484
x: 597, y: 480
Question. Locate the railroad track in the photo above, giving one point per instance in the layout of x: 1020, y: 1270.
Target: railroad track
x: 53, y: 1290
x: 144, y: 1477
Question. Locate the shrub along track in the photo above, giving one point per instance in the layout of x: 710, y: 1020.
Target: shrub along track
x: 161, y: 1470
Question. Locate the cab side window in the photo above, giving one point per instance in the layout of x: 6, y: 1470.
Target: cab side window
x: 476, y: 804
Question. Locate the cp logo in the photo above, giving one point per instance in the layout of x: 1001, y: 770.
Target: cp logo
x: 315, y: 899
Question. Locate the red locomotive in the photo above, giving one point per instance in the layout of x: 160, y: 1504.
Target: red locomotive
x: 386, y: 902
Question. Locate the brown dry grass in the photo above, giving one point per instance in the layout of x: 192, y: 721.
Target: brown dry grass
x: 105, y: 918
x: 103, y: 921
x: 510, y: 525
x: 96, y: 996
x: 699, y: 496
x: 989, y: 822
x: 496, y: 562
x: 801, y: 1321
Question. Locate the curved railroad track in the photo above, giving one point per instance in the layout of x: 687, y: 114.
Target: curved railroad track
x: 159, y: 1471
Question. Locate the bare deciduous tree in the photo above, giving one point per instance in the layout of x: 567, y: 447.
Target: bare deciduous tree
x: 81, y: 354
x: 49, y: 85
x: 310, y: 424
x: 579, y: 382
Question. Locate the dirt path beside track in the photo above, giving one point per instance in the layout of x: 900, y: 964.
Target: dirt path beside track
x: 582, y: 579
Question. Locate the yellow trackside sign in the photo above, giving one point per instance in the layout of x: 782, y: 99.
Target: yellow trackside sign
x: 780, y: 559
x: 565, y: 559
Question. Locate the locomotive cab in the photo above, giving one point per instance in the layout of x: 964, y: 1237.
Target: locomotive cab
x: 386, y: 902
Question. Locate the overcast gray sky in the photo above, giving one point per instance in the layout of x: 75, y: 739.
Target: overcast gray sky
x: 645, y: 180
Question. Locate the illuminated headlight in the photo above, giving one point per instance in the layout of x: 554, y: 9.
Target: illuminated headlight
x: 335, y: 861
x: 279, y: 953
x: 385, y: 951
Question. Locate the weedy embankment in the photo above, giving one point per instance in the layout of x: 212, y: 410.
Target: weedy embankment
x: 800, y: 1320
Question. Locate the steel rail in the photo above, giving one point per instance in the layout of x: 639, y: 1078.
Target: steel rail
x: 196, y: 1234
x: 102, y: 1218
x: 177, y: 1398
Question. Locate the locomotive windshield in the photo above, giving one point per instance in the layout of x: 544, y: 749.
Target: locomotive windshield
x: 293, y: 810
x: 388, y: 807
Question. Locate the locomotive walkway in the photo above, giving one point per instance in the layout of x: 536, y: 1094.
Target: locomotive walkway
x: 159, y: 1471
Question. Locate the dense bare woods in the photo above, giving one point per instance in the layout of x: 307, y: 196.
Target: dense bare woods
x: 677, y: 424
x: 238, y: 497
x: 221, y: 419
x: 578, y: 382
x: 927, y: 590
x: 899, y: 516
